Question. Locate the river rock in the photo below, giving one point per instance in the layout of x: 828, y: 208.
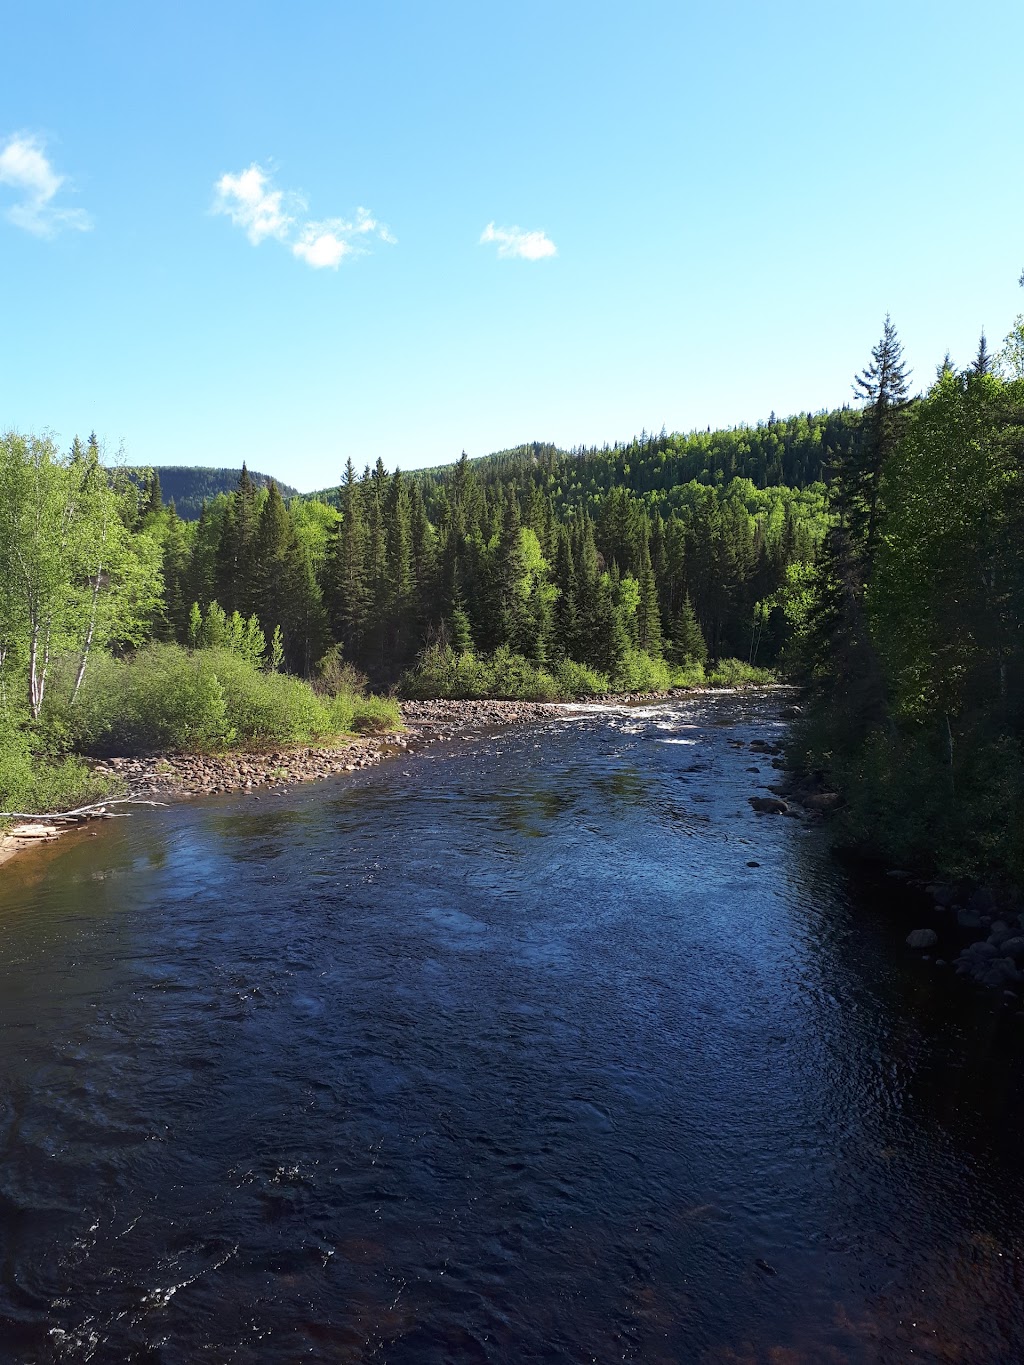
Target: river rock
x: 968, y: 919
x: 942, y: 894
x: 922, y: 938
x: 768, y: 805
x: 983, y: 902
x: 1012, y: 947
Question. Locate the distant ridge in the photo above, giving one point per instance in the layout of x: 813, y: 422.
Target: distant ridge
x: 189, y: 485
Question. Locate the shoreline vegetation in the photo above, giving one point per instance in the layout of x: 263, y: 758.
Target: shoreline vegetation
x: 182, y: 775
x: 870, y: 555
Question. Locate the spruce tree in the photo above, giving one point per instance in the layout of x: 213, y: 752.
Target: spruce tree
x: 347, y: 573
x: 883, y: 387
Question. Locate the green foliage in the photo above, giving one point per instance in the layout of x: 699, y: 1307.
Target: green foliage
x: 167, y: 699
x: 375, y: 715
x: 441, y: 672
x: 576, y: 681
x: 912, y: 641
x: 736, y: 673
x: 163, y: 699
x: 639, y: 672
x: 35, y: 784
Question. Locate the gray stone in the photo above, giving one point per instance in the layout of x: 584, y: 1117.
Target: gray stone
x: 982, y: 902
x: 768, y: 805
x: 1012, y: 947
x: 981, y: 949
x: 922, y: 938
x: 968, y: 919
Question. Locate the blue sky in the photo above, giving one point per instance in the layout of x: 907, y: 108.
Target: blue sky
x: 291, y: 234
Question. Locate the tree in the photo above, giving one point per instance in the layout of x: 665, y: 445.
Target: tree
x: 883, y: 387
x: 72, y: 577
x: 348, y: 594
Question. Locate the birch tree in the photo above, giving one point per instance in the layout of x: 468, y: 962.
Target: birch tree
x: 72, y: 577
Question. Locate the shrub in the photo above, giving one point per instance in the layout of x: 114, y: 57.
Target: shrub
x: 575, y: 680
x: 38, y: 786
x: 735, y: 673
x: 162, y: 698
x: 334, y: 676
x: 375, y: 715
x: 441, y: 672
x: 639, y: 672
x: 268, y: 708
x: 166, y: 699
x: 689, y: 675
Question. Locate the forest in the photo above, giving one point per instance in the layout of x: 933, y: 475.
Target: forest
x: 870, y: 553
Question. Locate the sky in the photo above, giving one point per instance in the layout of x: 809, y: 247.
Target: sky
x: 297, y: 234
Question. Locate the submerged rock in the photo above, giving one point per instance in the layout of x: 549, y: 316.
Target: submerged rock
x: 922, y: 938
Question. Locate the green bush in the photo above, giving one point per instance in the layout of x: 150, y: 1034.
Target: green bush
x: 441, y: 672
x: 735, y: 673
x: 575, y: 680
x: 268, y: 708
x: 689, y: 675
x: 36, y: 785
x: 374, y: 715
x: 161, y: 699
x: 639, y: 672
x: 166, y: 699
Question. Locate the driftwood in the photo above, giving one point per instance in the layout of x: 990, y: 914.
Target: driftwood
x: 97, y: 811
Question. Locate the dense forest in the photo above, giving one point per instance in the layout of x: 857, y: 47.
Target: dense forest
x: 913, y: 646
x: 871, y: 552
x: 189, y: 486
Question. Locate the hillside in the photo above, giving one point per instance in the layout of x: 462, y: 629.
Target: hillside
x: 794, y: 452
x: 189, y: 485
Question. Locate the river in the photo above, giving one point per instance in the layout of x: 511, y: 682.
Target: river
x: 539, y: 1046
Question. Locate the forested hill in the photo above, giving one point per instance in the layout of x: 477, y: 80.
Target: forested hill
x: 794, y: 452
x: 190, y: 486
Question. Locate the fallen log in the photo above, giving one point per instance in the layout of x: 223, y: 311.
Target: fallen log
x: 97, y: 811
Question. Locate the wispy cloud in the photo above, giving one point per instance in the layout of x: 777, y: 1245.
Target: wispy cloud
x: 25, y: 168
x: 514, y: 242
x: 251, y: 201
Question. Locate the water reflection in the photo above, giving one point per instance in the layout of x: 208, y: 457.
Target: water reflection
x: 545, y: 1048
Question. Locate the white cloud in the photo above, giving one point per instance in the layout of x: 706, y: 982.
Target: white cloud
x: 24, y: 166
x: 251, y: 202
x: 514, y: 242
x: 321, y: 246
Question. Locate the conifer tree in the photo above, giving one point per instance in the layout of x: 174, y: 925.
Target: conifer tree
x: 648, y: 617
x: 349, y: 590
x: 883, y: 387
x: 175, y: 570
x: 400, y: 571
x: 686, y: 645
x: 567, y: 612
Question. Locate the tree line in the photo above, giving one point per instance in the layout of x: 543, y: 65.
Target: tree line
x: 914, y: 638
x: 703, y: 571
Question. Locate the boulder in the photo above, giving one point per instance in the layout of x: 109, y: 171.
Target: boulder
x: 983, y: 902
x: 922, y: 938
x: 968, y: 919
x: 768, y: 805
x: 1012, y: 947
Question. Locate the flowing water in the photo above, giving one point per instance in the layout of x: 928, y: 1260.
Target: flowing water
x: 537, y: 1047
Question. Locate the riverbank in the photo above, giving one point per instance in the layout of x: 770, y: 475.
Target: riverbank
x: 975, y: 929
x: 172, y: 777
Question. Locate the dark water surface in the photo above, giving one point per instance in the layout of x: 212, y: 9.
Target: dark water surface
x: 503, y: 1053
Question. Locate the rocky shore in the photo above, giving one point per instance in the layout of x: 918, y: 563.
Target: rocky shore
x: 976, y: 930
x: 165, y: 777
